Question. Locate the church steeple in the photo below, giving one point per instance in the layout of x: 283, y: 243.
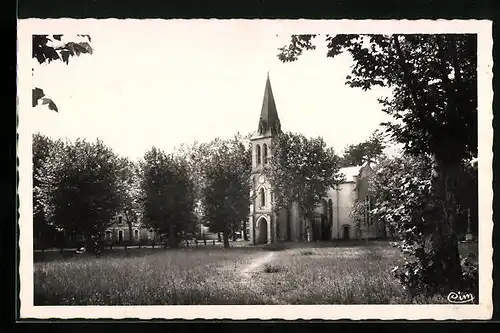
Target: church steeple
x: 269, y: 122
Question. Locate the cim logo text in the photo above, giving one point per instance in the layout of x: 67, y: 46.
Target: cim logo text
x: 460, y: 298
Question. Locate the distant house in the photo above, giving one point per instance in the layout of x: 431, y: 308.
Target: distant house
x: 119, y: 232
x: 116, y: 233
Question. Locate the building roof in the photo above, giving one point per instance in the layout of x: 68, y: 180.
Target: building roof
x: 350, y: 172
x: 353, y: 171
x: 269, y: 122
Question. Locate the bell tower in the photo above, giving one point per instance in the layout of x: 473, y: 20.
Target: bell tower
x: 261, y: 220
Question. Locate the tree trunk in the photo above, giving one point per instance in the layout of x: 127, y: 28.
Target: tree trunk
x: 88, y: 242
x: 309, y: 229
x: 129, y: 223
x: 254, y: 241
x: 172, y: 242
x: 288, y: 226
x: 444, y: 240
x: 301, y: 230
x: 130, y: 236
x: 245, y: 236
x: 225, y: 235
x: 445, y: 172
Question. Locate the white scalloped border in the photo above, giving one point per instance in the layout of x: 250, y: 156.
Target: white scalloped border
x: 483, y: 310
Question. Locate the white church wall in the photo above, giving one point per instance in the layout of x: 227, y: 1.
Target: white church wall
x: 373, y: 231
x: 342, y: 209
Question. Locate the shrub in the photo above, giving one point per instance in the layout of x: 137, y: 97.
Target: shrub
x: 272, y: 268
x: 275, y: 247
x: 470, y: 276
x: 402, y: 194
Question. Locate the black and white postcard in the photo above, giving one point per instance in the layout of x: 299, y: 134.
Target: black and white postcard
x: 255, y: 169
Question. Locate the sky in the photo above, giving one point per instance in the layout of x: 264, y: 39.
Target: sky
x: 156, y: 85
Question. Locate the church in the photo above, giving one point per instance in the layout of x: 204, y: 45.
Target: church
x: 332, y: 219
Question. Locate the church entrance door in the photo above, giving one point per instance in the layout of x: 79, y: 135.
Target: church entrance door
x: 346, y: 232
x: 324, y: 228
x: 262, y: 231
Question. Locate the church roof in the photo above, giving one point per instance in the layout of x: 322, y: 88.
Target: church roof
x: 269, y: 122
x: 353, y: 171
x: 350, y: 172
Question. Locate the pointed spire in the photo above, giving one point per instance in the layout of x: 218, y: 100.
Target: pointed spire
x: 269, y: 122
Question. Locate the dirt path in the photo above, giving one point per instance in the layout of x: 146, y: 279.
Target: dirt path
x: 255, y: 265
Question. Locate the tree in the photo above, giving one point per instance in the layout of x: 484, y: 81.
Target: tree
x: 301, y: 171
x: 467, y: 199
x: 198, y: 156
x: 43, y: 149
x: 79, y: 184
x: 129, y: 190
x: 167, y: 194
x: 48, y: 48
x: 401, y: 192
x: 226, y: 192
x: 434, y: 102
x: 195, y: 155
x: 359, y: 153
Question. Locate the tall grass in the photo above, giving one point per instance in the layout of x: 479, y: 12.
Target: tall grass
x: 181, y: 277
x: 333, y: 275
x: 316, y: 274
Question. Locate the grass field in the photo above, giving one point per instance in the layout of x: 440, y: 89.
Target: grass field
x: 324, y: 273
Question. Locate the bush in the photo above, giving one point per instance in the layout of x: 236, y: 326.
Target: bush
x: 272, y: 269
x: 470, y: 276
x: 418, y: 275
x: 274, y: 247
x: 402, y: 196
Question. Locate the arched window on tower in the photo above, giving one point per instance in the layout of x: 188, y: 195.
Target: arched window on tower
x: 257, y: 154
x: 262, y: 197
x: 265, y: 153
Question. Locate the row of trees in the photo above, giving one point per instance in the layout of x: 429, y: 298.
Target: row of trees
x: 80, y: 187
x: 76, y: 187
x: 433, y: 79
